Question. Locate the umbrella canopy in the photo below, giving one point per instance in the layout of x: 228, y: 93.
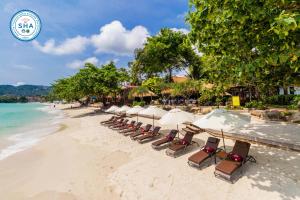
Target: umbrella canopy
x: 222, y: 119
x: 176, y: 116
x: 153, y: 111
x: 134, y: 110
x: 112, y: 109
x: 122, y: 109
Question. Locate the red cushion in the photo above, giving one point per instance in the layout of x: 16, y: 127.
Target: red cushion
x: 142, y: 130
x: 236, y: 157
x: 170, y: 137
x: 184, y: 142
x: 208, y: 149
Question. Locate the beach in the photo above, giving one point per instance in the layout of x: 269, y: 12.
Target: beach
x: 84, y: 160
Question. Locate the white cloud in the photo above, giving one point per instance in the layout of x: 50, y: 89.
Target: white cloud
x: 69, y: 46
x: 183, y: 30
x: 19, y: 83
x: 24, y: 67
x: 115, y: 39
x: 76, y: 64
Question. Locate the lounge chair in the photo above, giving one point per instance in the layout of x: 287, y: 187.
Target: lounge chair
x: 150, y: 135
x: 180, y: 145
x: 119, y: 124
x: 109, y: 120
x: 166, y: 140
x: 235, y: 160
x: 131, y: 129
x: 141, y: 131
x: 207, y: 151
x: 114, y: 122
x: 124, y: 125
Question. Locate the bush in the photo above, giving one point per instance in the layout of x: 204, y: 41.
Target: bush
x: 138, y: 103
x: 255, y: 104
x: 281, y: 99
x: 205, y: 100
x: 296, y: 102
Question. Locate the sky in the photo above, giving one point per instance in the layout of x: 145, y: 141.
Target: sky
x: 78, y: 31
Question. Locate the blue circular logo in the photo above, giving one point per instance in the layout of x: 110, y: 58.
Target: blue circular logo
x: 25, y: 25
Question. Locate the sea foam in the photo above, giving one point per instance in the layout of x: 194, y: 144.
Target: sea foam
x: 33, y: 133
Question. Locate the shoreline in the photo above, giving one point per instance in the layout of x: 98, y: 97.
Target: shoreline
x: 24, y: 137
x: 87, y: 161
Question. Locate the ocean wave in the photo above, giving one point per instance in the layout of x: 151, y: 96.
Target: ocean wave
x: 33, y: 133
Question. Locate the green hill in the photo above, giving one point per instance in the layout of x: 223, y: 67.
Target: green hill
x: 24, y: 90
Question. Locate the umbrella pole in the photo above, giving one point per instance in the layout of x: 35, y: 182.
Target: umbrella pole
x: 153, y: 120
x: 137, y: 117
x: 223, y: 140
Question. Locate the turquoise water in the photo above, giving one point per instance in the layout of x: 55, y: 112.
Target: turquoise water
x: 23, y: 125
x: 14, y: 116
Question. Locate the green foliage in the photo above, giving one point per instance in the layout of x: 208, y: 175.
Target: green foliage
x: 24, y: 90
x: 138, y: 103
x: 166, y: 52
x: 90, y: 81
x: 185, y: 89
x: 251, y: 43
x: 281, y: 99
x: 255, y: 104
x: 13, y: 99
x: 296, y: 102
x: 139, y: 91
x: 153, y: 84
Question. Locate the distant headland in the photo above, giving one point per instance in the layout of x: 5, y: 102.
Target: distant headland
x: 23, y: 93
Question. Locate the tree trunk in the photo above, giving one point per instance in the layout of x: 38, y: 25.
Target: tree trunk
x: 170, y: 74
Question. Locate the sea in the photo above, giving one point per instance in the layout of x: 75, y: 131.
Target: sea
x: 22, y: 125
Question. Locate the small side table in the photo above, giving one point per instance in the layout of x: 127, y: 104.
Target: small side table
x: 222, y: 155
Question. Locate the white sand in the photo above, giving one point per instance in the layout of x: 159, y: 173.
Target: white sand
x: 88, y: 161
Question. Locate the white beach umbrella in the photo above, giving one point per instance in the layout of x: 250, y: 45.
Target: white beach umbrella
x: 152, y: 111
x: 220, y: 119
x: 176, y: 117
x: 123, y: 109
x: 134, y: 110
x: 112, y: 109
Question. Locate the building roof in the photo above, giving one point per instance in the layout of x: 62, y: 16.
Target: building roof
x: 179, y: 79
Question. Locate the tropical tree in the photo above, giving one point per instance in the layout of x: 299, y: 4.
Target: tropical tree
x: 250, y: 43
x: 90, y: 81
x: 185, y: 89
x: 154, y: 84
x: 165, y: 53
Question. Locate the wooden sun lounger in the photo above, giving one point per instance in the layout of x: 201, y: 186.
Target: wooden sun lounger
x: 109, y: 120
x: 235, y: 160
x: 150, y: 135
x: 179, y: 146
x: 128, y: 131
x: 127, y: 126
x: 141, y: 131
x: 114, y: 122
x: 117, y: 124
x: 166, y: 140
x: 207, y: 151
x: 124, y: 126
